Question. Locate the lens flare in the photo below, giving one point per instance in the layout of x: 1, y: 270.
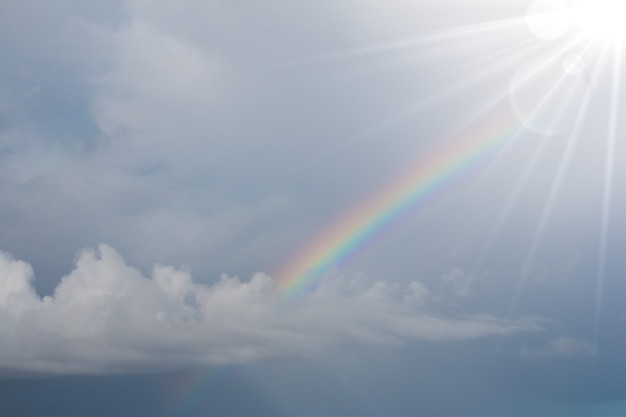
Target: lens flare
x: 549, y: 19
x: 546, y: 93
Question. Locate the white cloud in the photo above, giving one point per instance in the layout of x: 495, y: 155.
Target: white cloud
x: 561, y: 347
x: 108, y: 317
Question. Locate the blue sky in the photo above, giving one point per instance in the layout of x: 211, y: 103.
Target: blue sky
x: 159, y: 162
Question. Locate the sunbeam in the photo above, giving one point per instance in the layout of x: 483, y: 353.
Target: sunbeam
x: 521, y: 184
x: 488, y: 66
x: 608, y: 185
x: 554, y: 190
x: 601, y: 19
x: 571, y: 67
x: 441, y: 35
x: 519, y: 83
x: 474, y: 73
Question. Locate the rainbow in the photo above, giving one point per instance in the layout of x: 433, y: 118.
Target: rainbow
x: 428, y: 177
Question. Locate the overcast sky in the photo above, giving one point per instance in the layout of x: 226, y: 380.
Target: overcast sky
x: 161, y: 163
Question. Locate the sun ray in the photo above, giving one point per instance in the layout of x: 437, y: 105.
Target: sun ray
x: 511, y: 203
x: 451, y: 90
x: 503, y: 62
x: 601, y: 19
x: 555, y: 55
x: 539, y: 232
x: 403, y: 44
x: 509, y: 55
x: 526, y: 174
x: 485, y: 109
x: 608, y: 186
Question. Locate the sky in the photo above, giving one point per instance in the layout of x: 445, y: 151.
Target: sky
x: 289, y: 208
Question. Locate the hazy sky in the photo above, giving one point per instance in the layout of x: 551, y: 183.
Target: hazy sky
x: 444, y: 177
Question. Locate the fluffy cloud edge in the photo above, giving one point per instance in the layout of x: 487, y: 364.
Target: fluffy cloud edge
x: 106, y: 317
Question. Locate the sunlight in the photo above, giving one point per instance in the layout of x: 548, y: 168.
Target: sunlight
x: 549, y: 19
x: 555, y: 78
x: 597, y: 19
x: 601, y: 19
x: 608, y: 190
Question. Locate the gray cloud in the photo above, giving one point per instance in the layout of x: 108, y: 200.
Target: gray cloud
x: 107, y: 317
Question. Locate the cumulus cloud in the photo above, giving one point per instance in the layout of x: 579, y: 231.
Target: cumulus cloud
x: 561, y: 347
x: 108, y: 317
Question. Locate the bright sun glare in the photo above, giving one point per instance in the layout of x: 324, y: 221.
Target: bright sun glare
x: 601, y: 18
x: 598, y: 19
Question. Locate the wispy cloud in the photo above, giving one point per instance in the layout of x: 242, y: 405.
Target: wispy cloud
x: 561, y: 347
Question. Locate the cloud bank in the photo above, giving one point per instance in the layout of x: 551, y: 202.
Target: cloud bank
x: 108, y: 317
